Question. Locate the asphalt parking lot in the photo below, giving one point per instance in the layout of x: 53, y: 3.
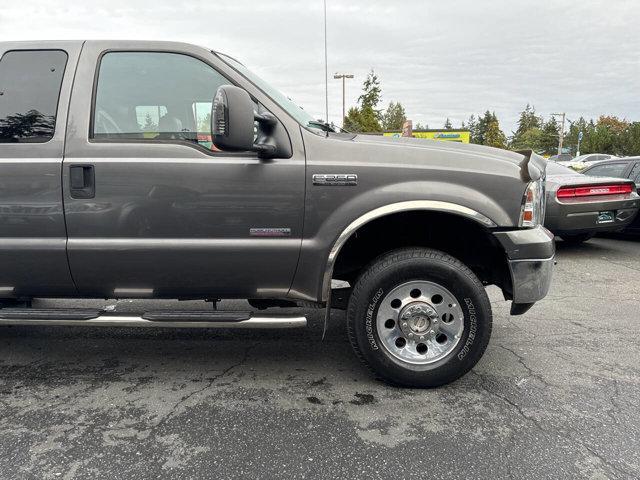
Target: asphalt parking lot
x: 557, y: 395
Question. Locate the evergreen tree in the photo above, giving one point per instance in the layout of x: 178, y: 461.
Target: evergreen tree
x: 371, y: 91
x: 447, y: 124
x: 366, y: 118
x: 493, y: 136
x: 353, y: 122
x: 394, y: 117
x: 630, y: 144
x: 528, y: 120
x: 571, y: 138
x: 472, y: 126
x: 482, y: 127
x: 550, y: 136
x: 529, y: 133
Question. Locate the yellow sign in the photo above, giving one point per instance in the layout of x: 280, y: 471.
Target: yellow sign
x: 445, y: 135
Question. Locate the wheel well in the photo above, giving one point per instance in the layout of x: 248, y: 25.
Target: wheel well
x: 463, y: 238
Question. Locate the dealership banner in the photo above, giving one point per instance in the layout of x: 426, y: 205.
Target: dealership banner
x: 445, y: 135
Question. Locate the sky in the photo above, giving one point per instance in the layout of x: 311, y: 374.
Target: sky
x: 438, y: 58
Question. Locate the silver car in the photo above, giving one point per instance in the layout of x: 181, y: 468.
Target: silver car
x: 583, y: 161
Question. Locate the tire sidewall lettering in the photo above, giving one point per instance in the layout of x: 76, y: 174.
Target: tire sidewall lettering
x: 369, y: 319
x: 473, y: 328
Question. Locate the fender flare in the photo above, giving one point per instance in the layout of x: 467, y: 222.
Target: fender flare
x: 412, y: 205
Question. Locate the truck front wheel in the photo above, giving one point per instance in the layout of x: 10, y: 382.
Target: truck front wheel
x: 419, y: 318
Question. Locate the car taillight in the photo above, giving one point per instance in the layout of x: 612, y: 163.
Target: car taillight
x: 594, y: 190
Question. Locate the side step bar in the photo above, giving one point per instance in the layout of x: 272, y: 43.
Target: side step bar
x: 194, y: 319
x: 200, y: 316
x: 49, y: 314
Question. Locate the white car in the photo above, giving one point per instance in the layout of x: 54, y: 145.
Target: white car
x: 583, y: 161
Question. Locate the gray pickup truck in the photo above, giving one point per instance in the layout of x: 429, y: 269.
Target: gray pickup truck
x: 164, y: 170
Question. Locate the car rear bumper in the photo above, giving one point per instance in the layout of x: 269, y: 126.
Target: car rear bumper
x: 531, y: 257
x: 574, y: 217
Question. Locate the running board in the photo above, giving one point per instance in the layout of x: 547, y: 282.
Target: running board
x: 97, y: 318
x: 49, y: 314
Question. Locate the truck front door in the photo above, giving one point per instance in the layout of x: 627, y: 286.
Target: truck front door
x: 153, y: 209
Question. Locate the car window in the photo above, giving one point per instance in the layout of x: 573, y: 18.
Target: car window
x: 150, y: 96
x: 595, y: 158
x: 607, y: 170
x: 635, y: 173
x: 30, y: 82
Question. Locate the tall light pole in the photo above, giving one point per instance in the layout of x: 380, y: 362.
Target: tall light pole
x: 561, y: 137
x: 343, y: 76
x: 326, y: 68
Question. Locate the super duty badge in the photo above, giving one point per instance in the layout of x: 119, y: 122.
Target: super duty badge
x: 337, y: 179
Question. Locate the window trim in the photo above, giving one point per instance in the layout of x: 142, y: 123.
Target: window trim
x: 184, y: 143
x: 64, y: 73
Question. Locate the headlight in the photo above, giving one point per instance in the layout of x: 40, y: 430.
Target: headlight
x: 533, y: 203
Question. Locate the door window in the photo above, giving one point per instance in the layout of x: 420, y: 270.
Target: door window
x: 30, y: 82
x: 151, y: 96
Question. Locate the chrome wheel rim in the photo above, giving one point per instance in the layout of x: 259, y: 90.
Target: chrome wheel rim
x: 420, y: 322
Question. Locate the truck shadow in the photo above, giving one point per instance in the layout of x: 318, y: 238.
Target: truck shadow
x: 51, y: 357
x: 586, y: 247
x: 595, y: 245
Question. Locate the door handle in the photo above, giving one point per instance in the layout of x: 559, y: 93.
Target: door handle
x: 82, y: 181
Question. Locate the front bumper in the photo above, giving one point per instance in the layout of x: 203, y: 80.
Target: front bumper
x: 531, y: 257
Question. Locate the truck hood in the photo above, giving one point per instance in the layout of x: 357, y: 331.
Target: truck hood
x: 532, y: 166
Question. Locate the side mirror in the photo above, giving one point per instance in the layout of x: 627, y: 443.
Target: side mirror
x: 233, y: 126
x: 232, y: 118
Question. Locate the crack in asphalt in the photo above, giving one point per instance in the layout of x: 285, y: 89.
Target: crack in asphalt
x: 539, y: 426
x: 505, y: 399
x: 212, y: 380
x: 532, y: 374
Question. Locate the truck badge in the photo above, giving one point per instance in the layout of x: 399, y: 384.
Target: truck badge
x: 336, y: 179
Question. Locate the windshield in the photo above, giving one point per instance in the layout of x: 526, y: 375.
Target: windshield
x: 286, y: 103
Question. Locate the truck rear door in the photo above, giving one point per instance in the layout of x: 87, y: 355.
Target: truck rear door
x: 35, y: 85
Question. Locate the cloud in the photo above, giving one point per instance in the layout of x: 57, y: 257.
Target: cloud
x: 440, y: 59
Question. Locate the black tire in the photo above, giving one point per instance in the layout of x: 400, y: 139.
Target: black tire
x: 398, y: 267
x: 577, y: 238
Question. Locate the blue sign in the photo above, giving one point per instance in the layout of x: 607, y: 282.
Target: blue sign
x: 579, y: 136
